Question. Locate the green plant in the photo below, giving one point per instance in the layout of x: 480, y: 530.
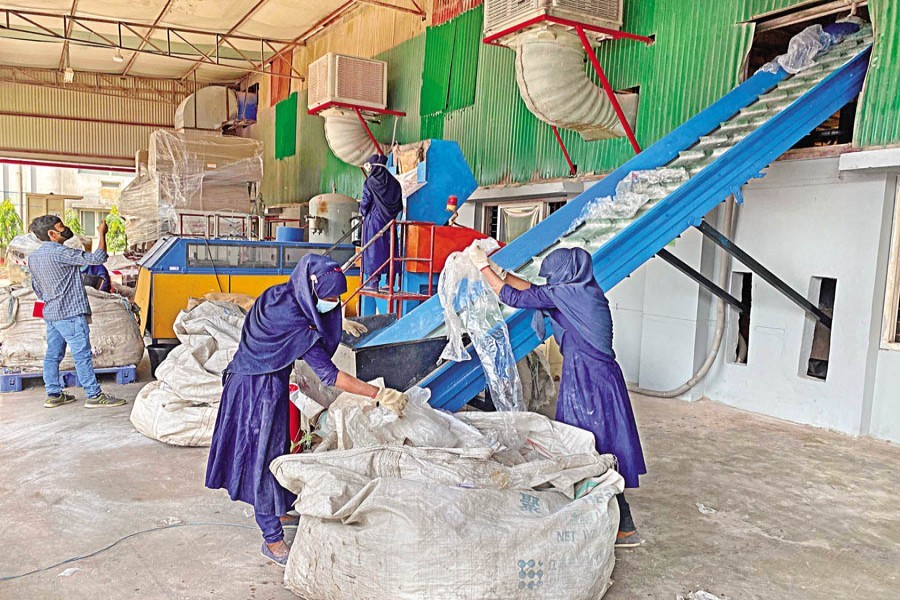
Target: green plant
x: 115, y: 237
x: 71, y: 220
x: 10, y: 224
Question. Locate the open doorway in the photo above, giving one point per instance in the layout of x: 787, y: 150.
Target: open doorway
x: 774, y: 31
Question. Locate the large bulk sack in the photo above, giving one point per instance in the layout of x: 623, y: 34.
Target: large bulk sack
x: 490, y: 522
x: 115, y: 335
x: 180, y: 407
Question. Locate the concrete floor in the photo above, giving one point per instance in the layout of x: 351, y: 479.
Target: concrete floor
x: 800, y: 512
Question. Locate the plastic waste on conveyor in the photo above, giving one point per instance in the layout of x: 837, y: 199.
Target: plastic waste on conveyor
x: 706, y: 159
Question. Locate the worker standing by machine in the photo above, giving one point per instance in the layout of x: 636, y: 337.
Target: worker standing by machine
x: 592, y: 392
x: 382, y: 202
x: 300, y: 319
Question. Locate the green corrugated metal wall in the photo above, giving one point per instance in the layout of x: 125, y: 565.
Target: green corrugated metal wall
x: 878, y: 116
x: 700, y: 49
x: 286, y: 127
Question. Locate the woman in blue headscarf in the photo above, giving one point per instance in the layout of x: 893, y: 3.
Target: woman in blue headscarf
x: 382, y: 201
x: 300, y: 319
x: 592, y: 392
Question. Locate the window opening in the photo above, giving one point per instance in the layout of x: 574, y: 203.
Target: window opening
x: 742, y: 286
x: 775, y: 30
x: 825, y: 288
x: 552, y: 207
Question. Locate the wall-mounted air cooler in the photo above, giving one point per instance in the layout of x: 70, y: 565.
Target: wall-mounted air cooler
x: 348, y: 80
x: 503, y: 14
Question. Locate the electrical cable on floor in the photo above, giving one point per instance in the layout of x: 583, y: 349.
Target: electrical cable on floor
x: 122, y: 539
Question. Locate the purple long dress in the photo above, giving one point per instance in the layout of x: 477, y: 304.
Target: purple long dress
x: 592, y: 392
x: 382, y: 201
x: 252, y: 424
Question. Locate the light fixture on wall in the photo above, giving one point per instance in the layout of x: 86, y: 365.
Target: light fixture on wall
x: 68, y: 73
x: 118, y: 57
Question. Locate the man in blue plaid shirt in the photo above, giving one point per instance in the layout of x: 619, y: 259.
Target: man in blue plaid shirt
x: 56, y: 279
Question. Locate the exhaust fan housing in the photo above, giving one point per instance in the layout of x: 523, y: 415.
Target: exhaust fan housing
x: 347, y: 79
x: 503, y: 14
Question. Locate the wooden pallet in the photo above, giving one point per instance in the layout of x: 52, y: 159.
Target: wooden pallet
x: 11, y: 381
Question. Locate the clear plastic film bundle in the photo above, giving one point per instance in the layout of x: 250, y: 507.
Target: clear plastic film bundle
x: 470, y: 307
x: 189, y: 171
x: 21, y: 247
x: 809, y: 44
x: 634, y: 191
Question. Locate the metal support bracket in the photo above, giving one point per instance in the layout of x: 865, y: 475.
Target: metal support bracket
x: 607, y: 87
x: 704, y: 282
x: 573, y: 168
x: 748, y: 261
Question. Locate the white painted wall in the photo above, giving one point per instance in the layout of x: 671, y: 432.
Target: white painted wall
x: 886, y: 402
x: 804, y: 219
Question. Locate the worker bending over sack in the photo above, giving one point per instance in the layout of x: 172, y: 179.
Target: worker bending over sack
x: 592, y: 392
x: 300, y: 319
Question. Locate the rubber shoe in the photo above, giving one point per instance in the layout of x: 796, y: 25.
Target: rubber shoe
x: 278, y: 559
x: 104, y: 400
x: 631, y: 539
x: 54, y: 401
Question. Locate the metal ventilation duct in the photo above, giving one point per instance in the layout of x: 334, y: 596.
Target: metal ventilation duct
x: 553, y: 82
x: 347, y: 137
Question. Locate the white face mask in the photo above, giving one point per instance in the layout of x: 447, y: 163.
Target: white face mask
x: 324, y: 306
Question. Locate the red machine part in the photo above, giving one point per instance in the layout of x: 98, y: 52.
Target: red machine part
x: 447, y: 240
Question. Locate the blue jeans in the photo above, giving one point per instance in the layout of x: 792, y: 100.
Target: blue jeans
x: 73, y: 332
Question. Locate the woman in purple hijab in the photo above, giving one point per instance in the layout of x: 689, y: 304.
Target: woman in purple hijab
x: 300, y: 319
x: 592, y: 392
x: 382, y: 201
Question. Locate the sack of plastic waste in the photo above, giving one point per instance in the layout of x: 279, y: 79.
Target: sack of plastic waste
x: 115, y: 337
x: 484, y: 505
x: 180, y: 407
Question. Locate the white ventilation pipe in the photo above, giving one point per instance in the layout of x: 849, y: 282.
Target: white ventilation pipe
x: 554, y: 83
x: 721, y: 306
x: 347, y: 137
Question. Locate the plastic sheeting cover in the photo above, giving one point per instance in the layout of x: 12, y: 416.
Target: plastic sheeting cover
x: 806, y: 46
x: 189, y: 172
x: 471, y: 307
x: 21, y: 247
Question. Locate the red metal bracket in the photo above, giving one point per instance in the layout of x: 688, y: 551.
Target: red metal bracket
x: 356, y: 107
x: 580, y: 29
x: 612, y: 33
x: 369, y: 131
x: 573, y: 170
x: 359, y: 110
x: 608, y: 88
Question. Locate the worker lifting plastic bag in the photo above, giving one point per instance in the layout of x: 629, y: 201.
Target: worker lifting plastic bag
x: 489, y: 515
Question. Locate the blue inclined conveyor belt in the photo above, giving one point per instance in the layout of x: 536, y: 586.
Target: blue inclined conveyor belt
x: 454, y: 384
